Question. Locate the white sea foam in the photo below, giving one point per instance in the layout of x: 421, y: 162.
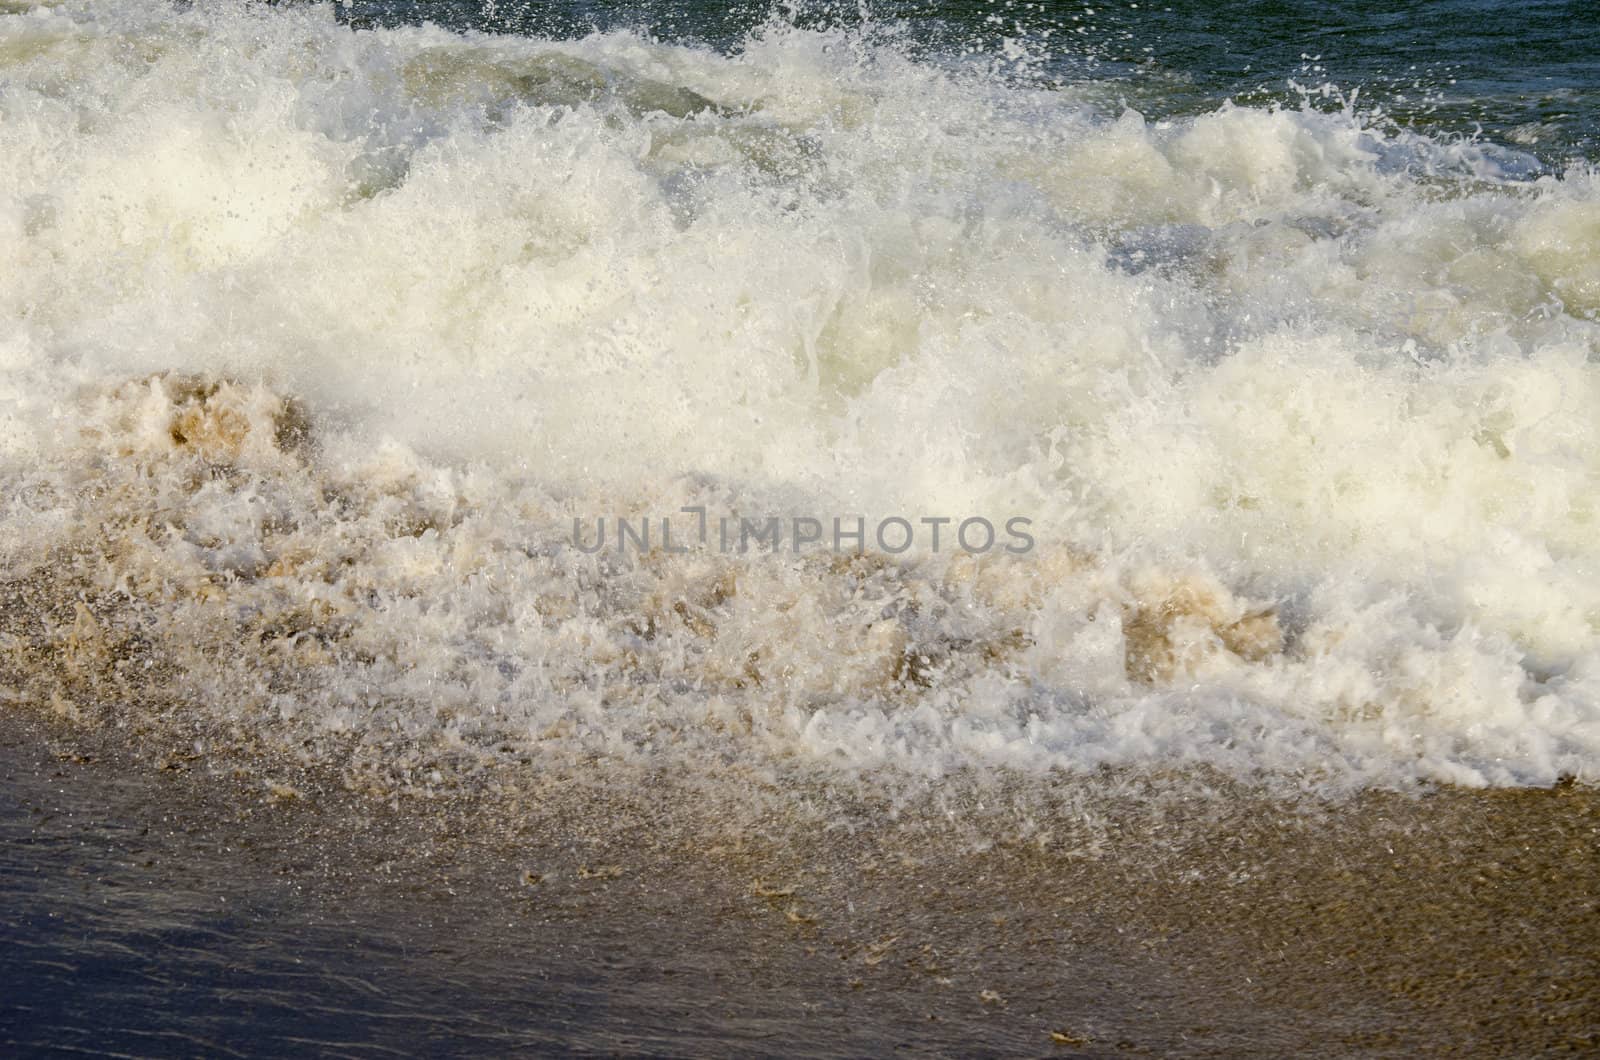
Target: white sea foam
x: 1306, y: 414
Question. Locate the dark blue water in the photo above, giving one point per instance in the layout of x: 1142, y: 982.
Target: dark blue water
x: 1521, y: 73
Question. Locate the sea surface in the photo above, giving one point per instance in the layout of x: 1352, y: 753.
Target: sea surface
x: 856, y: 412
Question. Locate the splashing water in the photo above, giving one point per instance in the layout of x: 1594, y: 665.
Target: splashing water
x: 316, y: 343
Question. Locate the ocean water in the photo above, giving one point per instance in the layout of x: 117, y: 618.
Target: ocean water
x: 1264, y: 343
x: 1519, y: 73
x: 676, y: 527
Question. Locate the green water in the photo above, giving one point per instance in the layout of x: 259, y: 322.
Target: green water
x: 1522, y: 74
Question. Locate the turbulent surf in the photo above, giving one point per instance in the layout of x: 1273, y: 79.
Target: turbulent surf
x: 316, y: 342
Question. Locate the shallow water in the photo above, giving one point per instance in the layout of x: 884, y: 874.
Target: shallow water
x: 146, y: 917
x: 187, y: 910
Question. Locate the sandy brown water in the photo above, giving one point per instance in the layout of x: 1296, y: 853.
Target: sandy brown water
x: 157, y: 904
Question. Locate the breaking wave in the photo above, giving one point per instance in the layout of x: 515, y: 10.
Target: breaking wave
x: 314, y: 345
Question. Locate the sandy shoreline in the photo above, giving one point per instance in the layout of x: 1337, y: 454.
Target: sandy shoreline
x: 1455, y: 922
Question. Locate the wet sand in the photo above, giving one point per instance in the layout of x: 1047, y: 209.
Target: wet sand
x: 159, y: 904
